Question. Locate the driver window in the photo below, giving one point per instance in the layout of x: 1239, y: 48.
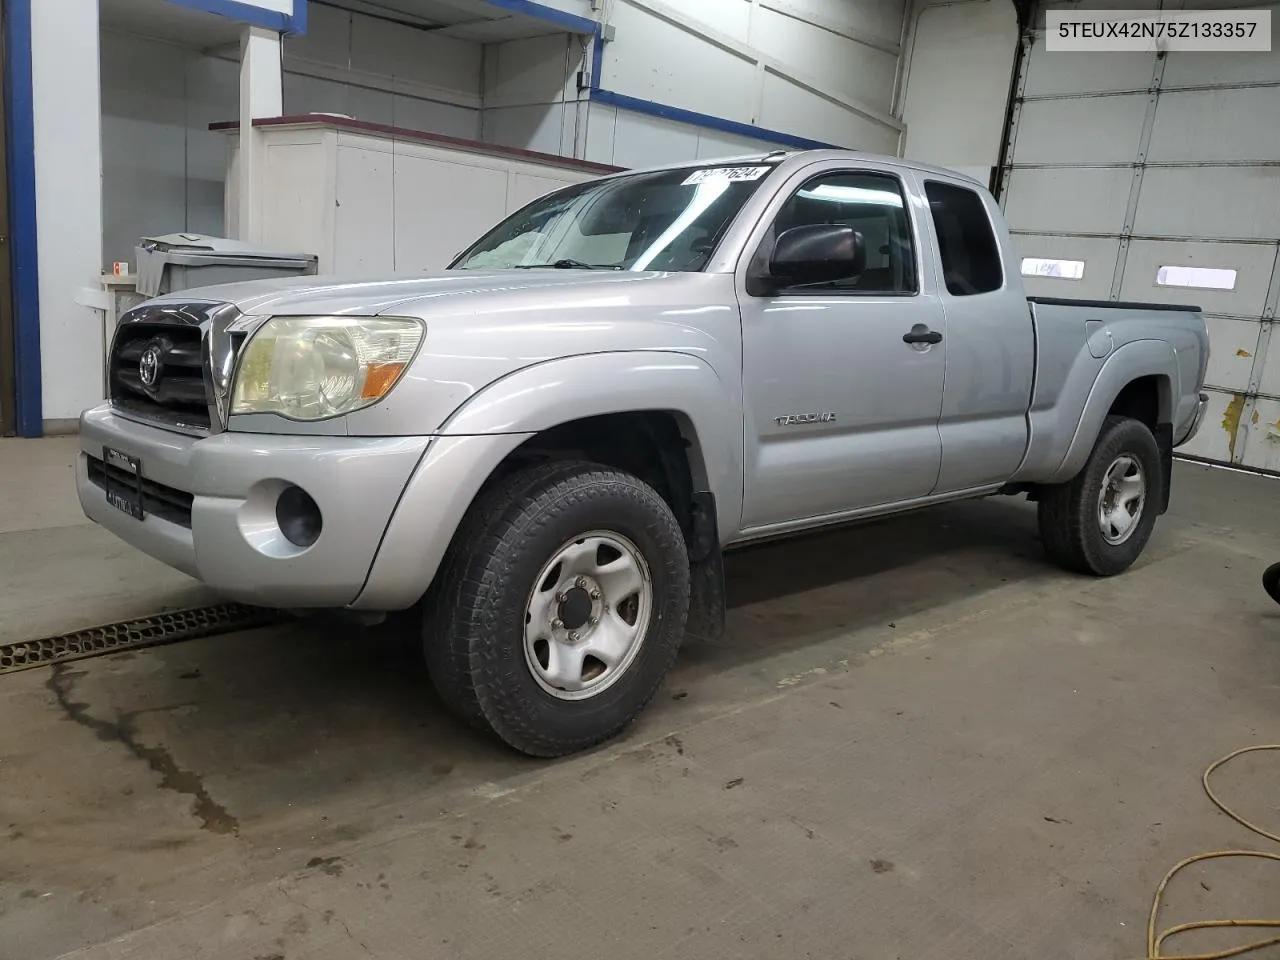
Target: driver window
x: 871, y: 203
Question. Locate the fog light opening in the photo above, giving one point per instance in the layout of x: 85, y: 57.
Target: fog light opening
x: 298, y: 517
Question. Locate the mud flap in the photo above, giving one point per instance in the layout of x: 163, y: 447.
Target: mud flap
x: 707, y: 596
x: 1164, y: 442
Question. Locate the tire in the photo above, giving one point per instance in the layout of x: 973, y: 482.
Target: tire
x: 1125, y: 462
x: 1271, y: 581
x: 612, y: 548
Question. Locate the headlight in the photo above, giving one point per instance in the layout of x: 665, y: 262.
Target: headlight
x: 310, y: 368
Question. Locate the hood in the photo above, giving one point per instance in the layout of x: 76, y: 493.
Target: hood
x: 405, y: 294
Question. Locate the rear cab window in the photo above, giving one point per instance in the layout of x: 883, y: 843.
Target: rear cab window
x: 967, y: 247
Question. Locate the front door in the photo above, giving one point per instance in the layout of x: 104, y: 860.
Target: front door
x: 840, y: 412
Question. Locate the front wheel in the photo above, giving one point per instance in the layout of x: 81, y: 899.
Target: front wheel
x: 1099, y: 522
x: 563, y: 608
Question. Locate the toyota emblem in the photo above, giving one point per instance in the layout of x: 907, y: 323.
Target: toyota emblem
x: 149, y: 366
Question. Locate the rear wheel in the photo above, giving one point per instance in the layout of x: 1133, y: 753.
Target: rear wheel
x: 1271, y: 581
x: 562, y: 608
x: 1100, y: 521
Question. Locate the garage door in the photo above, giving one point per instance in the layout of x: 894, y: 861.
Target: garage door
x: 1143, y: 177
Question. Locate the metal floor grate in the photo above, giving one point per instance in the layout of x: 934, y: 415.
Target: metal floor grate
x: 132, y: 634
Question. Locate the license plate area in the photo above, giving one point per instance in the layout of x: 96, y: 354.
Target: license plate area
x: 123, y: 482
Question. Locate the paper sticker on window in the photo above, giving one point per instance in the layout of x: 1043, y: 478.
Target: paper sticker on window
x: 1199, y: 278
x: 1049, y: 267
x: 732, y: 174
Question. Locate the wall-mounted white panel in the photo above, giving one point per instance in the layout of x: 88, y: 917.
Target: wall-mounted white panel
x: 432, y: 117
x: 1184, y: 68
x: 539, y: 127
x: 642, y: 141
x: 1098, y: 254
x: 328, y: 36
x: 789, y: 107
x: 1067, y: 199
x: 1262, y: 436
x: 878, y: 19
x: 957, y: 83
x: 434, y: 196
x: 1053, y: 72
x: 1234, y: 343
x: 529, y: 71
x: 299, y: 222
x: 862, y: 73
x: 364, y: 236
x: 162, y: 168
x: 657, y: 60
x: 1253, y: 261
x: 525, y: 188
x: 303, y: 94
x: 1216, y: 439
x: 1051, y: 131
x: 602, y: 120
x: 1240, y: 203
x: 389, y: 49
x: 713, y: 144
x: 1228, y: 124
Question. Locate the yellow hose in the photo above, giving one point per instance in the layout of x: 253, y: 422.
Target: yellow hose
x: 1155, y: 942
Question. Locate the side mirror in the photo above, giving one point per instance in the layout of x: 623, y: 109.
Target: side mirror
x: 817, y: 253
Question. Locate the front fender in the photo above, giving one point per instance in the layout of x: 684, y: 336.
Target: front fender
x: 486, y: 429
x: 1141, y: 358
x: 548, y: 394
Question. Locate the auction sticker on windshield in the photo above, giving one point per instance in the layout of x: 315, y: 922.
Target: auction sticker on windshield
x: 732, y: 174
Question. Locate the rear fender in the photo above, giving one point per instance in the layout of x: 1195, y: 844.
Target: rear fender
x: 1141, y: 358
x: 494, y: 422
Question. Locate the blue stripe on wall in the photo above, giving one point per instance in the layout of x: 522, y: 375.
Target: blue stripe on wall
x: 20, y: 137
x: 255, y: 16
x: 680, y: 115
x: 540, y: 11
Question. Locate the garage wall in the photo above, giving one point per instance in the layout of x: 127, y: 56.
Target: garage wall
x: 162, y: 169
x: 957, y: 73
x: 822, y: 70
x: 1150, y: 171
x: 530, y: 94
x: 374, y: 69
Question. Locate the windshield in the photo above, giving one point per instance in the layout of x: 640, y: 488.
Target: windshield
x: 665, y: 220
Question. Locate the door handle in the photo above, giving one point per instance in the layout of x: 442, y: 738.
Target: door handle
x: 922, y: 334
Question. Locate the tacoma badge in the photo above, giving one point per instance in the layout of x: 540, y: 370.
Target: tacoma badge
x: 799, y: 418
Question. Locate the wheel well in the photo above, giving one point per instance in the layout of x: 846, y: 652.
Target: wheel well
x: 658, y: 446
x: 1146, y: 399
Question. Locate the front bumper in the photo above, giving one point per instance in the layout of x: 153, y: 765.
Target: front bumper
x: 233, y: 542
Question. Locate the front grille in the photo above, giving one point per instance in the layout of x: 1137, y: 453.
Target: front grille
x: 158, y: 500
x: 176, y: 394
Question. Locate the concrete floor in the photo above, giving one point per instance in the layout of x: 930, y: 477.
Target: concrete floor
x: 918, y: 740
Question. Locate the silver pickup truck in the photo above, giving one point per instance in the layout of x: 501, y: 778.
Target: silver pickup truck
x: 541, y: 453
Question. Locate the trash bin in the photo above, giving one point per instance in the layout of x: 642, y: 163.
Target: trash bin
x: 180, y: 261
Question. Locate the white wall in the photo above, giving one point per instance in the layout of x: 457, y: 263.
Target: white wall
x: 68, y: 160
x: 820, y: 69
x: 383, y: 72
x: 530, y: 94
x: 958, y: 68
x: 162, y: 168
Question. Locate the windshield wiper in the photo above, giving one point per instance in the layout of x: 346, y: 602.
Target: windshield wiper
x: 568, y: 264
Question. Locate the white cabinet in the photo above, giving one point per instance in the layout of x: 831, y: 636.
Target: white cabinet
x: 368, y: 199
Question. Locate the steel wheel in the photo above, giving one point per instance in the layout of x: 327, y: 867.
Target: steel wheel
x: 1121, y: 499
x: 587, y: 615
